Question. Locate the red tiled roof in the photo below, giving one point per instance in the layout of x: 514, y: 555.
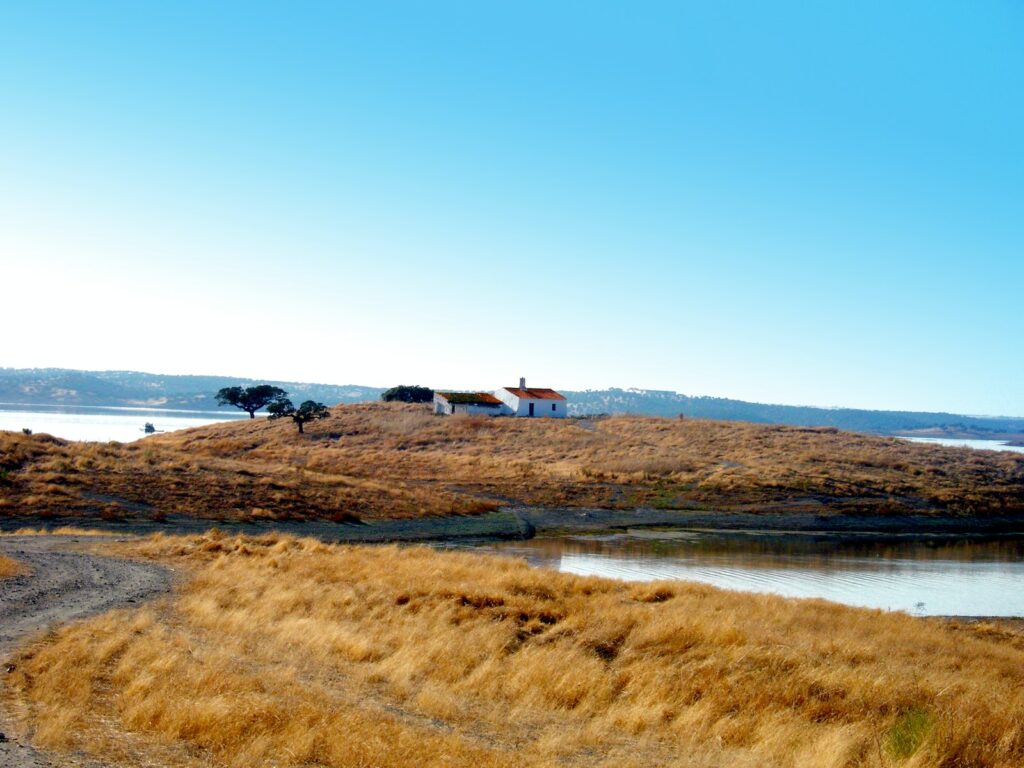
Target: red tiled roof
x: 470, y: 398
x: 531, y: 393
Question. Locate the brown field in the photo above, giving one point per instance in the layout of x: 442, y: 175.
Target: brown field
x: 9, y: 567
x: 389, y: 460
x: 288, y: 652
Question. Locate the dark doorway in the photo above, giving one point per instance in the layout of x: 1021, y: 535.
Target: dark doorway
x: 531, y: 409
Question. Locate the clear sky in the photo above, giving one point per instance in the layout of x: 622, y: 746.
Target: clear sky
x: 814, y: 203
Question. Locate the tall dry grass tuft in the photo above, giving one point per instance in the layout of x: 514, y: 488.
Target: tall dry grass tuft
x: 10, y: 567
x: 291, y: 652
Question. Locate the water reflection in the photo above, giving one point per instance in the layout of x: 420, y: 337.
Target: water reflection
x: 931, y: 577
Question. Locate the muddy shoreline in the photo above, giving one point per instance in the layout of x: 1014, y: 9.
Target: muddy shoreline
x: 510, y: 523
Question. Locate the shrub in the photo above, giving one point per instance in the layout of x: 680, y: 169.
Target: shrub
x: 404, y: 393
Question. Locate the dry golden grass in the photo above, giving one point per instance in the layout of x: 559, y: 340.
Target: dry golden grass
x: 391, y: 460
x: 289, y: 652
x: 9, y: 567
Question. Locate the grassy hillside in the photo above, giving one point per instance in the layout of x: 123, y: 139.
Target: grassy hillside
x: 379, y: 460
x: 288, y: 652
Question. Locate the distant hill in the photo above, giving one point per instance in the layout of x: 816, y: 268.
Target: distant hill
x: 61, y: 386
x: 666, y: 403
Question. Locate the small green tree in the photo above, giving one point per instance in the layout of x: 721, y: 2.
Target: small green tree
x: 250, y: 399
x: 305, y: 413
x: 408, y: 394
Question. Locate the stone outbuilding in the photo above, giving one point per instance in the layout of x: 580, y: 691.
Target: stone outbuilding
x: 483, y: 403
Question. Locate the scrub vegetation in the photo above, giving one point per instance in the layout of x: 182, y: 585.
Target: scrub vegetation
x: 396, y: 460
x: 289, y: 652
x: 9, y: 567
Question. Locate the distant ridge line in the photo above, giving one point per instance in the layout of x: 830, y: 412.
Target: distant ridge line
x: 71, y: 387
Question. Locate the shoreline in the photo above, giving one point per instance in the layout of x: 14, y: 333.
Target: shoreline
x: 522, y: 523
x: 510, y: 525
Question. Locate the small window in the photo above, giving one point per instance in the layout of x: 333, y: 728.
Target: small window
x: 552, y: 406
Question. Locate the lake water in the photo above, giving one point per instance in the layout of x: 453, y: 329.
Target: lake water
x: 981, y: 445
x: 934, y: 577
x: 104, y: 424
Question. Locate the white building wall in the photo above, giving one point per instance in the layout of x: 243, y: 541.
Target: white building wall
x: 520, y: 406
x: 543, y: 409
x: 510, y: 402
x: 474, y: 409
x: 551, y: 409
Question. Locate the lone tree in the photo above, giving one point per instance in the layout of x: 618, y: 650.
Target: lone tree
x: 308, y: 411
x: 250, y: 399
x: 408, y: 394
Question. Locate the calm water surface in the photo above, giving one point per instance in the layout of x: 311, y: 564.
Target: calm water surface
x: 104, y: 424
x: 981, y: 445
x: 962, y: 577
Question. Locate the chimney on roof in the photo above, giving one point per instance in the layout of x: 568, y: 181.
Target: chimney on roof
x: 522, y: 382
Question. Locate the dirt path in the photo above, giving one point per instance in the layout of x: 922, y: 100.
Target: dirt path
x: 63, y: 585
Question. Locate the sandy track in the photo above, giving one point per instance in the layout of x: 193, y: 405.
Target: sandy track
x: 63, y: 585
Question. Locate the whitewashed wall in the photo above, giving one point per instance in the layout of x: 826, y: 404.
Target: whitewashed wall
x: 541, y: 408
x: 510, y: 401
x: 550, y: 409
x: 474, y: 409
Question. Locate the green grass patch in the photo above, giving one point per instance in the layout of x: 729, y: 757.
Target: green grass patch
x: 906, y: 735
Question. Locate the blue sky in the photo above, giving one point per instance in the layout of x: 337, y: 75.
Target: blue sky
x: 800, y: 203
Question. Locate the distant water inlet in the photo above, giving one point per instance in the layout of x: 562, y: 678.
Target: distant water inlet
x: 944, y: 578
x: 978, y: 445
x: 104, y: 424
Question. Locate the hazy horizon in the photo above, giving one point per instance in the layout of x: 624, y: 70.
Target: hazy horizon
x: 784, y: 204
x: 447, y: 387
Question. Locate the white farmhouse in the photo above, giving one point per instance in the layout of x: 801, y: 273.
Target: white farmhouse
x: 484, y: 403
x: 507, y: 401
x: 531, y: 401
